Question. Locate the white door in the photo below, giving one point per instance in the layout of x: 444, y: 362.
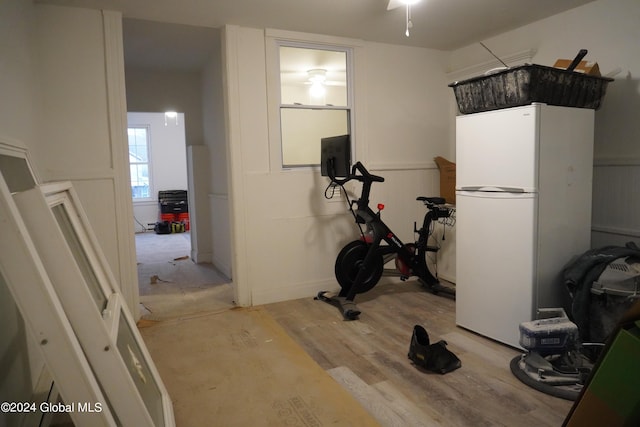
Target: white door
x: 498, y: 149
x: 495, y: 263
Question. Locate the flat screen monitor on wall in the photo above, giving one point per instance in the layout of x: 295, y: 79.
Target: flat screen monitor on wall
x: 335, y: 156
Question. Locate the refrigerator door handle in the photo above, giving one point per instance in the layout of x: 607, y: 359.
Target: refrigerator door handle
x: 493, y: 189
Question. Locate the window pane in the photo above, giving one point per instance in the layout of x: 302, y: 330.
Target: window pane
x: 139, y: 162
x: 138, y: 145
x: 314, y: 100
x: 313, y: 76
x: 80, y: 255
x: 16, y: 173
x: 139, y: 180
x: 141, y: 374
x: 302, y: 130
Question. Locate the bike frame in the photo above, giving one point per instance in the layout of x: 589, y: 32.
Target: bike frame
x: 381, y: 232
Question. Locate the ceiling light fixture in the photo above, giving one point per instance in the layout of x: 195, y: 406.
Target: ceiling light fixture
x: 393, y: 4
x: 170, y: 115
x: 317, y: 77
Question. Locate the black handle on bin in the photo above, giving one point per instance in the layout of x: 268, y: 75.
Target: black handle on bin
x: 577, y: 59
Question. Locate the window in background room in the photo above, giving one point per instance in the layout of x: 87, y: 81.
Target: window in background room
x: 139, y: 162
x: 315, y: 100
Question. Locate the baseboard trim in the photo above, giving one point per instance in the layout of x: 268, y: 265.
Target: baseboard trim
x: 201, y: 257
x: 448, y: 278
x: 292, y: 291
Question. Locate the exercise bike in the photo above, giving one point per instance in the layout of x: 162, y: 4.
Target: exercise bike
x: 360, y: 264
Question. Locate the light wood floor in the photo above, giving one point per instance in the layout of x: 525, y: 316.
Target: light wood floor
x: 369, y: 357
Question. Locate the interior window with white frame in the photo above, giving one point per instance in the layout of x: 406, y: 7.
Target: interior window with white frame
x: 139, y: 162
x: 315, y: 100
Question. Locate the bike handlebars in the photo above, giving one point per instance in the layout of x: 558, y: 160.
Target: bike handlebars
x: 364, y: 176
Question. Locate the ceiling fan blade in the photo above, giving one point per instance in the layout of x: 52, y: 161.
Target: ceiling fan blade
x: 394, y: 4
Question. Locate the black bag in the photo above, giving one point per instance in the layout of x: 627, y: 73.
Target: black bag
x: 163, y: 227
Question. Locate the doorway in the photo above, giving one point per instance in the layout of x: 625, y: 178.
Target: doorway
x: 159, y: 169
x: 171, y: 284
x: 179, y: 67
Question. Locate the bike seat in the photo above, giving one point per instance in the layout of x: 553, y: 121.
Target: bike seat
x: 433, y: 200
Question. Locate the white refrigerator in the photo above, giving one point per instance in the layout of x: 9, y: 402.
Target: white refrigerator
x: 523, y: 210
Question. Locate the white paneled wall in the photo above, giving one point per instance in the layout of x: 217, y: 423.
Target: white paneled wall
x: 285, y: 235
x: 82, y: 124
x: 616, y: 202
x: 221, y: 238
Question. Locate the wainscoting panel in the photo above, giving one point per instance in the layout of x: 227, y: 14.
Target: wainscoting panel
x: 616, y: 202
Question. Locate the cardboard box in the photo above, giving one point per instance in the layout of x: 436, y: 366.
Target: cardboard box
x: 447, y: 179
x: 586, y: 67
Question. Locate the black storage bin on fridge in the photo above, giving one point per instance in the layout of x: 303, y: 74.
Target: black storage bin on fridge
x: 173, y: 201
x: 526, y: 84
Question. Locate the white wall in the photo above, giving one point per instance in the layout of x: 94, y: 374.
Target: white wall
x: 82, y: 125
x: 60, y: 84
x: 285, y: 234
x: 217, y: 189
x: 22, y: 363
x: 610, y: 31
x: 168, y: 154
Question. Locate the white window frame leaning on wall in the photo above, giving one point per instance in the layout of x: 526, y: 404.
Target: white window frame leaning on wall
x: 71, y: 285
x: 300, y: 148
x: 26, y: 278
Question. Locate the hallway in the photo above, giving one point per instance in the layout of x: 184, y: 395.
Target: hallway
x: 171, y: 284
